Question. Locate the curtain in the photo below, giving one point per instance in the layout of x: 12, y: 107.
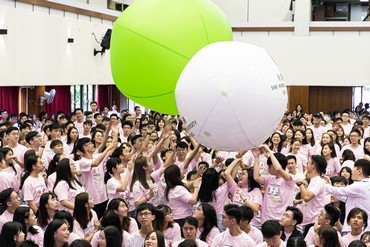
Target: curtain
x: 61, y: 102
x: 103, y: 97
x: 9, y: 99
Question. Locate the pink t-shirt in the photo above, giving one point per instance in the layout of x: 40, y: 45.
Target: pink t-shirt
x: 358, y: 151
x: 112, y: 186
x: 211, y: 235
x: 222, y: 197
x: 178, y: 198
x: 83, y: 233
x: 8, y: 180
x: 301, y: 161
x: 95, y: 239
x: 64, y: 192
x: 19, y: 151
x: 5, y: 217
x: 226, y: 239
x: 138, y: 192
x: 256, y: 235
x: 264, y: 244
x: 312, y: 209
x: 11, y: 171
x: 279, y: 194
x: 333, y: 167
x: 33, y: 188
x: 254, y: 196
x: 348, y: 238
x: 93, y: 179
x: 51, y: 181
x: 37, y: 238
x: 172, y: 234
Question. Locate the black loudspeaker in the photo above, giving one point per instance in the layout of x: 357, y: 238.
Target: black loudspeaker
x: 105, y: 43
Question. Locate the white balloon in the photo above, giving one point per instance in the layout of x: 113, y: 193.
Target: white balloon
x: 231, y: 95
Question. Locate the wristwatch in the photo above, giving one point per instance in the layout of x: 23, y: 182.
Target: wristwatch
x: 299, y: 183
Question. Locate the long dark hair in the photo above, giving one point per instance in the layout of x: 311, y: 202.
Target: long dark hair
x: 160, y: 238
x: 110, y: 218
x: 329, y: 236
x: 111, y: 163
x: 42, y: 213
x: 50, y: 231
x: 28, y: 164
x: 80, y: 213
x: 210, y: 183
x: 53, y: 164
x: 165, y: 209
x: 251, y: 182
x: 312, y: 141
x: 280, y: 145
x: 210, y: 220
x: 64, y: 174
x: 65, y: 216
x: 365, y: 150
x: 5, y: 151
x: 332, y: 148
x: 69, y: 139
x: 140, y: 173
x: 9, y: 230
x: 112, y: 236
x: 113, y: 205
x: 20, y: 215
x: 172, y: 176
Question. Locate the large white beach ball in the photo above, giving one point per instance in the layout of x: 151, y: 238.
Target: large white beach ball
x: 231, y: 95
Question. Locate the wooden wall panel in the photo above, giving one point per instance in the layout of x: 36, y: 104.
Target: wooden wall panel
x: 298, y: 95
x: 329, y: 98
x: 34, y: 94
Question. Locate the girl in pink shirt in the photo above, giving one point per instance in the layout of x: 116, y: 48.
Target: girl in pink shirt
x: 119, y: 206
x: 33, y: 185
x: 68, y: 219
x: 207, y: 222
x: 301, y: 159
x: 10, y: 165
x: 180, y: 199
x: 66, y: 186
x: 116, y: 185
x: 217, y: 196
x: 27, y: 218
x: 47, y: 209
x: 170, y: 229
x: 333, y: 164
x: 86, y: 222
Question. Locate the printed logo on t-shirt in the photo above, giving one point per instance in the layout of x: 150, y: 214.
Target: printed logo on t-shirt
x: 274, y: 191
x: 88, y: 230
x: 41, y: 189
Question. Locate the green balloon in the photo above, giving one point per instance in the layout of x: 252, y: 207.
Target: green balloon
x: 153, y: 40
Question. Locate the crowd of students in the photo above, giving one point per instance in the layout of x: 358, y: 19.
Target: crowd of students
x: 134, y: 179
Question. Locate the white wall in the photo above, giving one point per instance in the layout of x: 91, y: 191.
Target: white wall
x: 36, y: 52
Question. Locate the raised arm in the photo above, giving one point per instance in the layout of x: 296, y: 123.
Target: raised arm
x: 275, y: 163
x: 256, y: 167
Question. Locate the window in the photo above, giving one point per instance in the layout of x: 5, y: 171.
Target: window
x: 82, y: 95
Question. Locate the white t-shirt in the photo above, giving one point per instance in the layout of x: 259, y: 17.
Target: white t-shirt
x: 226, y: 239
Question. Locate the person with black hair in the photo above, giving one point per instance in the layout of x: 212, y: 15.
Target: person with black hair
x: 7, y: 180
x: 145, y: 216
x: 10, y: 201
x: 86, y: 222
x: 279, y: 185
x: 356, y: 194
x: 120, y: 207
x: 11, y: 234
x: 327, y: 236
x: 272, y: 231
x: 328, y: 216
x: 207, y: 221
x: 116, y: 183
x: 233, y: 235
x: 27, y: 218
x: 66, y: 186
x: 10, y: 165
x: 33, y: 185
x: 165, y: 223
x: 110, y: 219
x: 296, y: 242
x: 247, y: 215
x: 110, y: 237
x: 80, y: 242
x: 314, y: 195
x: 155, y: 238
x: 357, y: 219
x: 67, y: 218
x: 56, y: 234
x: 28, y: 243
x: 13, y: 137
x: 189, y: 231
x: 291, y: 218
x: 339, y: 181
x: 47, y: 209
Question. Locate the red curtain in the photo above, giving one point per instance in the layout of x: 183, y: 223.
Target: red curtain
x: 9, y: 99
x: 61, y: 102
x: 103, y: 97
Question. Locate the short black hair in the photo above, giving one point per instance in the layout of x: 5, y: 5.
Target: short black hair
x: 144, y: 206
x: 297, y: 214
x: 246, y: 213
x: 281, y: 158
x: 364, y: 165
x: 271, y: 228
x: 332, y: 213
x: 355, y: 211
x: 233, y: 211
